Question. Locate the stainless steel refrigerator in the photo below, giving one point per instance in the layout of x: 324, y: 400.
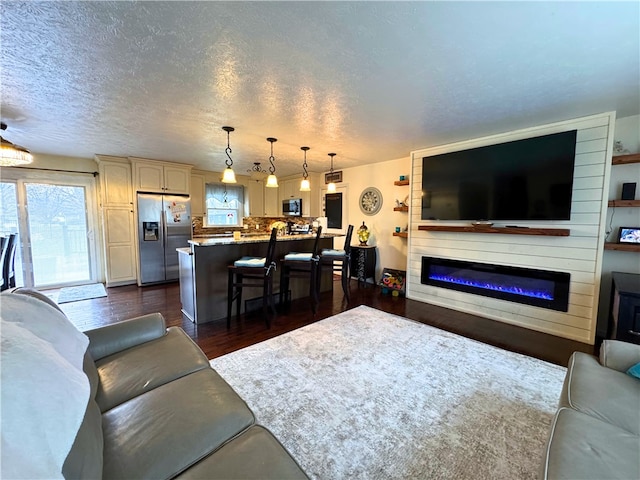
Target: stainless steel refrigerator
x: 164, y: 224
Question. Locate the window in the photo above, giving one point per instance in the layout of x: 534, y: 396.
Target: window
x: 225, y: 205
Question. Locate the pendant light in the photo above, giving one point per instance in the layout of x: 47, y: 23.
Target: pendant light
x: 228, y: 176
x: 331, y: 188
x: 272, y: 180
x: 12, y: 155
x: 305, y: 186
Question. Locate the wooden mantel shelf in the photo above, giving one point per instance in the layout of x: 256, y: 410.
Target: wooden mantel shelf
x: 549, y: 232
x: 622, y: 247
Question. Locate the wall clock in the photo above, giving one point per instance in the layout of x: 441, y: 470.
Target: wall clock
x: 370, y: 201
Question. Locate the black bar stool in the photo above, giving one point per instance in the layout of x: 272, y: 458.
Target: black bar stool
x: 253, y: 272
x: 339, y: 260
x: 8, y: 262
x: 302, y: 265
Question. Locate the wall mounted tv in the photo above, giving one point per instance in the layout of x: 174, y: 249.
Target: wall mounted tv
x: 530, y: 179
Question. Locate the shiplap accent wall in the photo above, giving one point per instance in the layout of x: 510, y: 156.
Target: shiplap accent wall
x: 579, y: 254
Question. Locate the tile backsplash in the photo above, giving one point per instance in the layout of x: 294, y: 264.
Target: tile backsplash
x: 254, y: 224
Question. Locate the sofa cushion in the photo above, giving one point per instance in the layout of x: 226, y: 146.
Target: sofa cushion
x: 254, y: 454
x: 164, y: 431
x: 602, y: 392
x: 584, y: 447
x: 134, y: 371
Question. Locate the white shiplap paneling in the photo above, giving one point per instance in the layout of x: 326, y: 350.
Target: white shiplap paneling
x: 579, y: 254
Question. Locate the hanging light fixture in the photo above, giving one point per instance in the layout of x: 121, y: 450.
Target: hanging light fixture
x: 11, y: 154
x: 228, y: 176
x: 305, y: 186
x: 272, y: 180
x: 331, y: 188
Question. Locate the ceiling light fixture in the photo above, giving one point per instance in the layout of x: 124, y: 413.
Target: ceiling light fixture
x: 272, y: 180
x: 256, y: 172
x: 305, y: 186
x: 228, y: 176
x: 331, y: 188
x: 12, y: 155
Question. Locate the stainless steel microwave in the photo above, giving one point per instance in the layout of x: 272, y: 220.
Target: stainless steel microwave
x: 292, y: 207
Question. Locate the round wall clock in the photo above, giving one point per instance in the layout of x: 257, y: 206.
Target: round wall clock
x: 370, y: 201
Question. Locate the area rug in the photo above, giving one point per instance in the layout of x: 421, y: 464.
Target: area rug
x: 369, y: 395
x: 82, y: 292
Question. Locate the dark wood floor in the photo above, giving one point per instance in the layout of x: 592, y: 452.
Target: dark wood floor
x: 215, y: 339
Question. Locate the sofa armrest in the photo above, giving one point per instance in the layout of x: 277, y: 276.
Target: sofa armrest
x: 119, y: 336
x: 619, y: 355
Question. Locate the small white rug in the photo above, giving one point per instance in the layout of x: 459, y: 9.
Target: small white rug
x: 82, y: 292
x: 369, y: 395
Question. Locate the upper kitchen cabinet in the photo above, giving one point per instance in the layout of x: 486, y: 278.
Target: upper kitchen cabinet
x: 290, y: 188
x: 198, y: 182
x: 255, y: 193
x: 161, y: 177
x: 115, y: 181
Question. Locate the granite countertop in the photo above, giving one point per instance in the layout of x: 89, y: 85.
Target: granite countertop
x: 228, y: 240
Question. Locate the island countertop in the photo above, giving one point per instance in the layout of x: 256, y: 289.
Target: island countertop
x: 229, y: 240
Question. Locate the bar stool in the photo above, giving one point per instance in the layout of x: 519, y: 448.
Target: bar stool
x: 339, y: 260
x: 3, y: 253
x: 8, y: 262
x: 253, y: 272
x: 301, y: 265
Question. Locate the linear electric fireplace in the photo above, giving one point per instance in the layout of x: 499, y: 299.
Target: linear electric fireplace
x: 540, y: 288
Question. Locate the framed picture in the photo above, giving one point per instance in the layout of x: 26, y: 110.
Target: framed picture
x: 335, y: 177
x: 629, y: 235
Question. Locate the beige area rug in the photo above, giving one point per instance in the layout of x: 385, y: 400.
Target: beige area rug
x: 370, y: 395
x: 82, y: 292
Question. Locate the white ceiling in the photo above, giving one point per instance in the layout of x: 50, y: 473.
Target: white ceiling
x: 370, y: 81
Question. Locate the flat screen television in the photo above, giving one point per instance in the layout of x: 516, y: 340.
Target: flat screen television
x: 530, y: 179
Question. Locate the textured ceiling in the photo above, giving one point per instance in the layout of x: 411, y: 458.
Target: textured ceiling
x: 370, y: 81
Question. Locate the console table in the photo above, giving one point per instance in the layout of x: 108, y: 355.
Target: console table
x: 363, y: 263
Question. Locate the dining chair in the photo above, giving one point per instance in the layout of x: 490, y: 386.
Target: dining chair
x: 253, y: 272
x: 302, y: 265
x: 339, y: 260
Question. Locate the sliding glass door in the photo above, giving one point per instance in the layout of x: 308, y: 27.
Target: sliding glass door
x: 55, y: 227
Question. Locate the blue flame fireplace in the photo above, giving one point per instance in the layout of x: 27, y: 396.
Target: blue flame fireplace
x: 540, y: 288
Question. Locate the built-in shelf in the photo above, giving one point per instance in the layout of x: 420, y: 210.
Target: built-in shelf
x: 549, y: 232
x: 624, y: 203
x: 404, y: 208
x: 624, y: 159
x: 401, y: 182
x: 401, y: 234
x: 623, y: 247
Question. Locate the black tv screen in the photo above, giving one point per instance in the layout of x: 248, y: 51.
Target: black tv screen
x: 530, y: 179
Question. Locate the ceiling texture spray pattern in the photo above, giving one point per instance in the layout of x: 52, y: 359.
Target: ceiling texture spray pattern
x: 369, y: 80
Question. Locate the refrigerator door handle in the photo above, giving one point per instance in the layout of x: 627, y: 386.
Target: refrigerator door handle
x: 164, y: 229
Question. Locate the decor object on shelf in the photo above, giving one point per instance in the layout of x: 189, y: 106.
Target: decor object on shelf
x: 363, y: 234
x: 370, y: 201
x: 272, y: 180
x: 305, y: 186
x: 228, y: 176
x: 332, y: 177
x: 628, y: 191
x: 629, y: 235
x: 618, y: 148
x: 11, y: 154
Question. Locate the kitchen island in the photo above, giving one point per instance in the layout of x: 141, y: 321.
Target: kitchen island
x: 203, y: 272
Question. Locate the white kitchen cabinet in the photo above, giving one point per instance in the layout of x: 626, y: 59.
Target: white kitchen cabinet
x: 118, y: 221
x: 272, y: 203
x: 255, y: 194
x: 161, y: 177
x: 290, y: 188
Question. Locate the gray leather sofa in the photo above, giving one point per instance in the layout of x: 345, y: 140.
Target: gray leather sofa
x: 596, y: 431
x: 158, y: 410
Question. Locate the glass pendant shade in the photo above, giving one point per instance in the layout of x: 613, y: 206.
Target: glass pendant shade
x: 272, y: 181
x: 305, y: 186
x: 228, y: 176
x: 331, y: 188
x: 12, y: 155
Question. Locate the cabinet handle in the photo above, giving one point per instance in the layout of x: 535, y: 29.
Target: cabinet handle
x: 631, y: 332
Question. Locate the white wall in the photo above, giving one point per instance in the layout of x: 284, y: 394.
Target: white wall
x: 627, y: 130
x: 391, y: 251
x: 579, y: 254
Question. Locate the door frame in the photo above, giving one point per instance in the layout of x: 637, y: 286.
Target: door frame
x: 20, y: 176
